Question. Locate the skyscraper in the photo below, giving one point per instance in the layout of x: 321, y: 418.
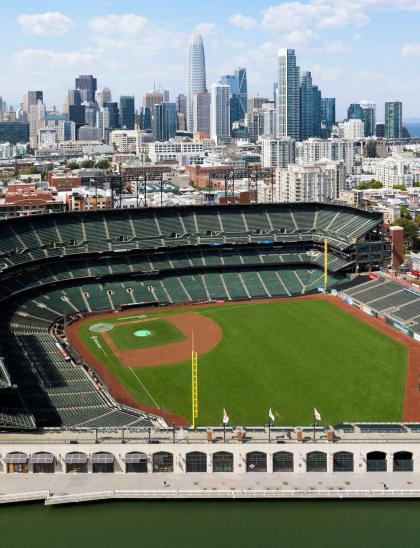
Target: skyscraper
x: 164, y: 121
x: 393, y: 120
x: 327, y: 115
x: 196, y: 80
x: 103, y: 96
x: 220, y: 113
x: 306, y: 106
x: 88, y: 84
x: 354, y: 112
x: 369, y: 117
x: 201, y: 113
x: 240, y: 74
x: 316, y: 107
x: 238, y: 86
x: 127, y: 112
x: 288, y: 97
x: 32, y: 98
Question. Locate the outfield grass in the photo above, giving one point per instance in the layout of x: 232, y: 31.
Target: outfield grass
x: 290, y: 356
x: 161, y: 332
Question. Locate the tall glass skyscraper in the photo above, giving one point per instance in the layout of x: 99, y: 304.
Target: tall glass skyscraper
x: 127, y: 112
x: 393, y: 120
x: 164, y: 121
x: 196, y: 81
x: 327, y: 115
x: 306, y: 106
x: 369, y: 117
x: 288, y: 96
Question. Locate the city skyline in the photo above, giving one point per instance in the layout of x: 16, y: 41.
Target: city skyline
x: 46, y: 49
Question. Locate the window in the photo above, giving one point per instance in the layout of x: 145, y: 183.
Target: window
x: 222, y: 462
x: 403, y: 461
x: 316, y: 461
x: 163, y: 462
x: 256, y: 462
x: 283, y: 462
x: 136, y: 462
x: 343, y: 462
x: 376, y: 461
x: 196, y: 462
x: 102, y: 463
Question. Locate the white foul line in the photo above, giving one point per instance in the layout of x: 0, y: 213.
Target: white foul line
x: 145, y: 389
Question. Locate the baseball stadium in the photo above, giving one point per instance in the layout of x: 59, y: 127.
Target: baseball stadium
x: 203, y: 319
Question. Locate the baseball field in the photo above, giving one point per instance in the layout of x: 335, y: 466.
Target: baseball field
x: 289, y: 356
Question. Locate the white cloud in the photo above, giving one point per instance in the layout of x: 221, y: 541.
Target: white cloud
x: 242, y: 21
x: 412, y: 49
x: 336, y: 47
x: 52, y: 23
x: 119, y: 24
x: 207, y: 29
x: 48, y: 59
x: 300, y: 37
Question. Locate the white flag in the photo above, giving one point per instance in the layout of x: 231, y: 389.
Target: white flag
x: 225, y: 417
x: 271, y: 416
x: 317, y: 416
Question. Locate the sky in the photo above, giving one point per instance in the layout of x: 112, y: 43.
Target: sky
x: 356, y: 50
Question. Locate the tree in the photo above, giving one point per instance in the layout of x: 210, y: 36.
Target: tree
x: 417, y: 185
x: 399, y: 187
x: 73, y: 165
x: 410, y: 232
x: 370, y: 149
x: 103, y: 164
x: 87, y: 163
x: 405, y: 213
x: 29, y: 171
x: 376, y: 184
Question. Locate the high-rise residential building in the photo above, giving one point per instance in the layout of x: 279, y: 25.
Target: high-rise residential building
x: 146, y: 119
x: 314, y: 150
x: 277, y: 152
x: 306, y: 107
x: 87, y: 85
x: 327, y: 115
x: 318, y: 182
x: 127, y: 112
x: 255, y: 124
x: 164, y: 121
x: 288, y: 96
x: 393, y: 120
x: 220, y: 113
x: 380, y: 130
x: 103, y: 96
x: 352, y: 129
x: 254, y: 103
x: 354, y: 112
x: 102, y: 122
x: 181, y: 112
x: 196, y: 78
x: 369, y: 117
x: 201, y: 113
x: 32, y: 98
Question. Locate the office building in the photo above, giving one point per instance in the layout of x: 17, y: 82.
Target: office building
x: 164, y: 121
x: 201, y: 113
x: 14, y: 132
x: 220, y: 113
x: 127, y: 112
x: 238, y: 86
x: 354, y: 112
x: 196, y: 78
x: 114, y: 114
x: 288, y: 96
x: 393, y: 120
x: 257, y: 102
x: 87, y: 85
x: 103, y: 96
x: 327, y: 115
x: 306, y: 107
x: 369, y: 117
x: 31, y: 98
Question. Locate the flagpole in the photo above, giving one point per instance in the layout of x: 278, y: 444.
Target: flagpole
x: 224, y: 432
x: 269, y: 429
x: 314, y: 429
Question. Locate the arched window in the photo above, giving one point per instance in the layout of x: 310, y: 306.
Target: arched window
x: 17, y: 462
x: 316, y: 461
x: 43, y: 463
x: 102, y: 463
x: 256, y: 461
x: 196, y: 462
x: 76, y: 462
x: 163, y: 462
x: 343, y: 462
x: 283, y: 461
x: 376, y: 461
x: 222, y: 462
x: 403, y: 461
x: 135, y: 462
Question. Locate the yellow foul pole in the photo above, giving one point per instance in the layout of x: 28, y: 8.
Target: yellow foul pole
x: 325, y: 265
x: 194, y: 383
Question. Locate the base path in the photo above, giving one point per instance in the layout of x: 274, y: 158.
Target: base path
x: 205, y: 332
x: 411, y: 406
